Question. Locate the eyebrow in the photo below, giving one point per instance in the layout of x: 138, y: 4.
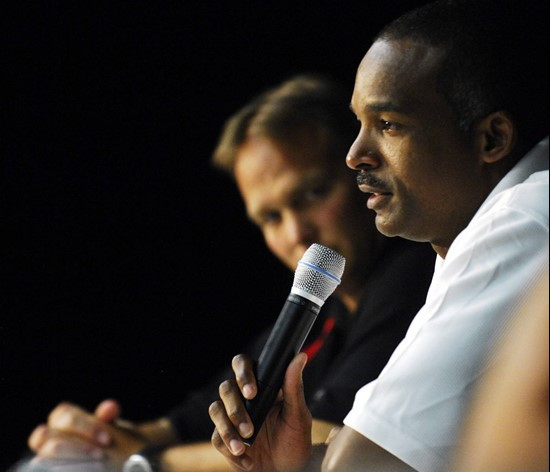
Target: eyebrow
x: 384, y: 106
x: 296, y: 192
x: 254, y: 219
x: 256, y: 214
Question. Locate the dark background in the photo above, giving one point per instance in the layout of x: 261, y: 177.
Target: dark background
x: 130, y: 270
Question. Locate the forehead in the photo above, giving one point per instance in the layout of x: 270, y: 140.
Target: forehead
x: 266, y: 172
x: 260, y: 156
x: 400, y: 73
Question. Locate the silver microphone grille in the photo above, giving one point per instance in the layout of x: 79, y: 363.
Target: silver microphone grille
x: 318, y: 273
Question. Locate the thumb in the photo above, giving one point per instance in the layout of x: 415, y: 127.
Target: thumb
x: 293, y: 387
x: 108, y: 410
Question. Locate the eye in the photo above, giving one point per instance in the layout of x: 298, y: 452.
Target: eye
x: 269, y: 218
x: 317, y: 192
x: 311, y: 195
x: 390, y: 126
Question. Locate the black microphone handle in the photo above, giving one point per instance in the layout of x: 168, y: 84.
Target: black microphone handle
x: 284, y: 342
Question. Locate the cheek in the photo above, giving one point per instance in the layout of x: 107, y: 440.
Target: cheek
x: 328, y: 215
x: 343, y: 212
x: 278, y: 245
x: 408, y: 196
x: 330, y: 220
x: 420, y: 200
x: 336, y: 208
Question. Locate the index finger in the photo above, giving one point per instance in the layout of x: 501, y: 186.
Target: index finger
x: 244, y: 375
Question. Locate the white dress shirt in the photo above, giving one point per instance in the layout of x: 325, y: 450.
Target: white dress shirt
x: 414, y: 409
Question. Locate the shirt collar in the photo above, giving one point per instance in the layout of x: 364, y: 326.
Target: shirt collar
x: 534, y: 161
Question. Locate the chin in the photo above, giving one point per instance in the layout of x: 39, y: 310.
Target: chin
x: 386, y: 227
x: 406, y: 229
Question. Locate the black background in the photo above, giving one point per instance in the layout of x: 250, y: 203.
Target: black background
x: 130, y: 269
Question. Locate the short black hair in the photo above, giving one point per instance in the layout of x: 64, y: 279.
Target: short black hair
x: 496, y: 58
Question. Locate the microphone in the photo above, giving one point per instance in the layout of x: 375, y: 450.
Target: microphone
x: 316, y: 277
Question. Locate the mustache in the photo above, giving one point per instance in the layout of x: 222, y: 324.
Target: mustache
x: 363, y: 178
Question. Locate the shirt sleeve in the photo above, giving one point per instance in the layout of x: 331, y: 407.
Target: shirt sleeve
x: 414, y: 408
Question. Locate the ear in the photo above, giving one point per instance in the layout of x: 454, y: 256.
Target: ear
x: 497, y: 137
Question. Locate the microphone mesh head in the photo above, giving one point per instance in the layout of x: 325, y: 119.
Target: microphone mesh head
x: 318, y: 273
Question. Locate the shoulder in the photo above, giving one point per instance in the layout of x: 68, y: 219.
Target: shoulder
x: 529, y: 197
x: 516, y: 216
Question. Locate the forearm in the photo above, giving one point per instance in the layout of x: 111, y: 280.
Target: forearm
x: 353, y: 452
x: 317, y: 455
x: 158, y: 431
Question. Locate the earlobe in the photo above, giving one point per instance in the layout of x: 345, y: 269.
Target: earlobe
x: 497, y: 137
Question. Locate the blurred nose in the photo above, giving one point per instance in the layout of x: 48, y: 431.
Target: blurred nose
x: 301, y: 231
x: 361, y: 155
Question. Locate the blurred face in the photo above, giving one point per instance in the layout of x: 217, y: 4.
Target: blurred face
x: 424, y: 180
x: 297, y: 199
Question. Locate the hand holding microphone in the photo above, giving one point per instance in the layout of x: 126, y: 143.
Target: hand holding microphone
x: 316, y: 277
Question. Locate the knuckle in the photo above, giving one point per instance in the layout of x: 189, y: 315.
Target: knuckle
x: 225, y: 433
x: 217, y: 441
x: 52, y: 448
x: 233, y: 415
x: 241, y: 378
x: 64, y: 406
x: 214, y: 409
x: 37, y: 437
x: 238, y: 360
x: 60, y: 411
x: 222, y: 430
x: 226, y: 387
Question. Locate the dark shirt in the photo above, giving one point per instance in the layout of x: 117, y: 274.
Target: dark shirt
x: 349, y: 350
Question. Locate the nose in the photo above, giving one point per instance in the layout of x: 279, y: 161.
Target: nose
x: 300, y: 230
x: 361, y: 155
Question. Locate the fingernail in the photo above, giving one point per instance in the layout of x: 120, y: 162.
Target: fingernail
x: 103, y: 438
x: 248, y: 391
x: 246, y: 463
x: 245, y: 429
x: 236, y: 446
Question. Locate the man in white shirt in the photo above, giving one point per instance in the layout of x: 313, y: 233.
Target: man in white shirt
x: 415, y: 406
x: 451, y: 151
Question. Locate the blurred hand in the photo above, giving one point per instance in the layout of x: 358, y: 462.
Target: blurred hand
x: 73, y: 433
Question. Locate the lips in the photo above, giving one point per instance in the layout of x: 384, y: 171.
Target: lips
x: 377, y: 200
x: 379, y: 195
